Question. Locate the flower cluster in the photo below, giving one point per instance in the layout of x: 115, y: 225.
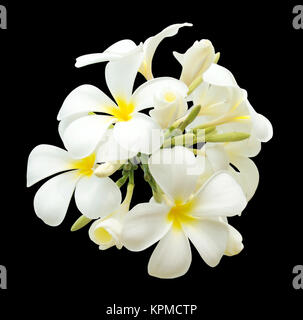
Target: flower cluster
x: 194, y: 146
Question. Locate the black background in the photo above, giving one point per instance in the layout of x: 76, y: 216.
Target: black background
x: 53, y: 268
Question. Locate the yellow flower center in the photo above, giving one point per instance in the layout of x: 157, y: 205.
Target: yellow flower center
x: 169, y: 97
x: 102, y: 235
x: 180, y: 214
x: 124, y: 110
x: 85, y: 165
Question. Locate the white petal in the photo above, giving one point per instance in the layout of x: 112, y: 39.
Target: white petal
x: 82, y: 136
x: 248, y: 177
x: 106, y: 233
x: 140, y: 134
x: 120, y: 75
x: 215, y: 153
x: 179, y: 57
x: 175, y: 172
x: 262, y: 128
x: 196, y: 60
x: 214, y: 100
x: 220, y: 76
x: 114, y: 52
x: 166, y: 116
x: 111, y: 150
x: 234, y: 242
x: 247, y: 148
x: 64, y: 123
x: 172, y: 256
x: 92, y: 58
x: 85, y: 98
x: 52, y: 199
x: 144, y: 225
x: 209, y: 237
x: 143, y: 97
x: 45, y: 160
x: 151, y: 44
x: 97, y: 197
x: 206, y: 174
x: 220, y: 196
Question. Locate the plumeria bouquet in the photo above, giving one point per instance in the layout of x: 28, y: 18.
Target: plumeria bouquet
x: 194, y: 148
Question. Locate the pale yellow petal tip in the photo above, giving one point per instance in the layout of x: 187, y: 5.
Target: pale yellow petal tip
x: 234, y: 250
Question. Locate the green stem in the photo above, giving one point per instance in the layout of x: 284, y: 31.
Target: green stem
x: 122, y: 180
x: 131, y: 177
x: 128, y: 198
x: 150, y: 180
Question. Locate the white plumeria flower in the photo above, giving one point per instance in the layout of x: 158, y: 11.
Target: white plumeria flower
x: 234, y: 240
x: 221, y: 105
x: 169, y: 105
x: 106, y: 232
x: 196, y: 60
x: 95, y: 197
x: 134, y: 131
x: 237, y: 153
x: 226, y: 156
x: 227, y: 108
x: 186, y: 215
x: 125, y: 47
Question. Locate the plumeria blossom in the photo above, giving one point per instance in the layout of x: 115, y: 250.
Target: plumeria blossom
x: 133, y: 130
x: 95, y: 197
x: 238, y: 154
x: 196, y: 60
x: 223, y: 101
x: 125, y: 47
x: 106, y: 232
x: 169, y: 105
x: 196, y: 160
x: 186, y: 215
x: 221, y: 105
x: 228, y: 108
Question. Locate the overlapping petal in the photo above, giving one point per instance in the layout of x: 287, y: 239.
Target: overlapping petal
x: 84, y: 99
x: 111, y: 150
x: 196, y: 60
x: 219, y: 76
x: 140, y: 134
x: 120, y: 75
x: 248, y: 177
x: 220, y: 196
x: 151, y: 44
x: 82, y: 136
x: 172, y: 256
x: 114, y: 52
x: 46, y: 160
x: 52, y: 199
x: 143, y: 97
x: 145, y: 224
x: 106, y: 233
x: 210, y: 239
x: 97, y: 197
x: 176, y: 171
